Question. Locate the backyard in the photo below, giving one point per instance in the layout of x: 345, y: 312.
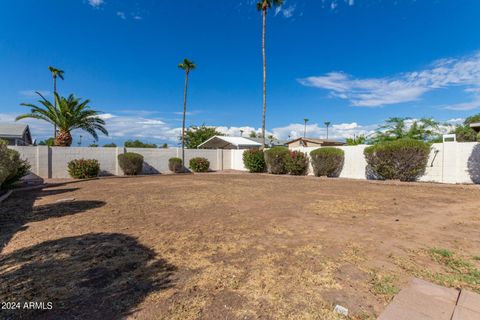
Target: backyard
x: 233, y: 246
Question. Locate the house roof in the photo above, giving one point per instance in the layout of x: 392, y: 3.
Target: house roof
x: 13, y: 130
x: 475, y: 126
x: 223, y: 142
x: 317, y: 140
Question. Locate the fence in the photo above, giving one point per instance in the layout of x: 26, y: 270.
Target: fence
x: 449, y: 162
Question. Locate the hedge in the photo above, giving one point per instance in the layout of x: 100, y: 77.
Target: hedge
x: 254, y: 160
x: 12, y: 168
x: 175, y: 165
x: 297, y: 163
x: 131, y: 163
x: 84, y: 168
x: 199, y: 164
x: 276, y: 159
x: 403, y: 159
x: 327, y: 161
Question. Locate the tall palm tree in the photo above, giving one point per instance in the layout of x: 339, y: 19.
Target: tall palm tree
x: 55, y: 73
x: 71, y: 114
x: 327, y: 124
x: 187, y: 66
x: 263, y: 6
x: 305, y: 127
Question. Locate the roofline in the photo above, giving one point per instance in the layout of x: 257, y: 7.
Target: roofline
x: 237, y: 145
x: 311, y: 140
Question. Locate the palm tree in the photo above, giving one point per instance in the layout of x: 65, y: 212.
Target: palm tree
x: 187, y: 66
x: 71, y: 114
x: 327, y: 124
x: 264, y: 5
x: 55, y: 73
x: 305, y: 128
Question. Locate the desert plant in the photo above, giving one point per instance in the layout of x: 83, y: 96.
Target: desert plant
x: 327, y: 161
x: 404, y: 159
x: 199, y: 164
x: 131, y: 163
x: 175, y: 165
x: 276, y: 159
x: 12, y: 167
x: 254, y: 160
x: 84, y: 168
x: 297, y: 163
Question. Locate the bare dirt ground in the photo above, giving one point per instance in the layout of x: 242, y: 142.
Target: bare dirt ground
x: 232, y: 246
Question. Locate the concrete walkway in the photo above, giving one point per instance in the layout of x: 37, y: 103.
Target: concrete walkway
x: 423, y: 300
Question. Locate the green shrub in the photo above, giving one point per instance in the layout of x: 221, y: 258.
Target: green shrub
x: 131, y: 163
x: 276, y: 159
x: 83, y: 168
x: 199, y: 164
x: 12, y: 168
x: 175, y: 165
x: 297, y: 163
x: 403, y: 159
x: 327, y: 161
x: 254, y: 160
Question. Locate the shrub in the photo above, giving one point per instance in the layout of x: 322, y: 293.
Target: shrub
x: 199, y: 164
x: 297, y: 163
x: 276, y: 160
x: 175, y: 165
x: 83, y: 168
x: 254, y: 160
x: 131, y: 163
x: 12, y: 168
x: 327, y: 161
x: 403, y: 159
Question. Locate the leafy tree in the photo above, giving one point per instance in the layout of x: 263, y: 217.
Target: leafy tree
x: 252, y: 134
x: 47, y: 142
x: 263, y: 6
x: 71, y: 114
x: 186, y: 66
x: 424, y: 129
x: 465, y: 133
x: 195, y: 136
x: 138, y: 144
x: 356, y: 140
x: 164, y: 146
x: 55, y: 73
x: 110, y: 145
x: 93, y: 145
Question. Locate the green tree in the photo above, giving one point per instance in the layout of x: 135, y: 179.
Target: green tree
x: 356, y: 140
x: 71, y: 113
x: 252, y: 134
x: 195, y: 136
x: 110, y: 145
x: 56, y: 73
x: 263, y: 6
x: 164, y: 146
x: 186, y: 66
x: 425, y: 129
x: 47, y: 142
x: 138, y: 144
x: 465, y: 133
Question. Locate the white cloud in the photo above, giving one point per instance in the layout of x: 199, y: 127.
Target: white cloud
x: 285, y: 11
x: 137, y: 17
x: 121, y: 15
x: 96, y: 3
x: 401, y: 88
x: 339, y: 131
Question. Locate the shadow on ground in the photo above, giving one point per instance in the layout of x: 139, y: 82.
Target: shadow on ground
x: 474, y: 164
x: 92, y: 276
x: 19, y: 210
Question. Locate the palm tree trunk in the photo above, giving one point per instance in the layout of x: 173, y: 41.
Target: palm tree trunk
x: 63, y: 139
x: 264, y: 31
x: 55, y: 104
x: 184, y: 115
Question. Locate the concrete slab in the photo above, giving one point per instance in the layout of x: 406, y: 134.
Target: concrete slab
x: 465, y: 314
x: 469, y: 300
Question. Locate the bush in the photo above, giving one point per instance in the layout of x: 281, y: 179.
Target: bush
x: 12, y: 168
x: 297, y: 163
x: 276, y: 159
x: 175, y: 165
x: 403, y: 159
x: 131, y: 163
x: 327, y: 161
x: 199, y: 164
x: 254, y: 160
x: 83, y: 168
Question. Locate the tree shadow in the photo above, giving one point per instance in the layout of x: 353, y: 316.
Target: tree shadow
x: 92, y: 276
x: 19, y: 210
x: 474, y: 164
x: 148, y: 169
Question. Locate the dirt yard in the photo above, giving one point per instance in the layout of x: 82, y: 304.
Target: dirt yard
x: 231, y: 246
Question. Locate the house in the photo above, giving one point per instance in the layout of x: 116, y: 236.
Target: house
x: 313, y: 142
x: 223, y: 142
x: 269, y: 143
x: 475, y: 126
x: 16, y: 134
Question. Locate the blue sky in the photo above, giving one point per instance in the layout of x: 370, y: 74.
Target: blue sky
x: 351, y: 62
